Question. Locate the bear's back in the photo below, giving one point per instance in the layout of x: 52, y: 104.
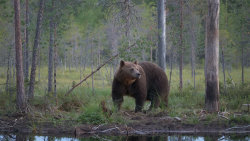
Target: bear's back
x: 155, y: 76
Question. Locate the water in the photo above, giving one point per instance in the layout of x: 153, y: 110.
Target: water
x: 126, y: 138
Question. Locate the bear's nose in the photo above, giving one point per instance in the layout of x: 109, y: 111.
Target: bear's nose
x: 138, y: 74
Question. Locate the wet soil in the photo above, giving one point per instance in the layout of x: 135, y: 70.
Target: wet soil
x: 139, y: 124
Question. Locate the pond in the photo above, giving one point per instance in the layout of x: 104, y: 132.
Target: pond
x: 11, y: 137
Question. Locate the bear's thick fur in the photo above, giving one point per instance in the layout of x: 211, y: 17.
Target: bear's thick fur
x: 143, y: 81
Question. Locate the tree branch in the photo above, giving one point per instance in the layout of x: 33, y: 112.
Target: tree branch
x: 98, y: 68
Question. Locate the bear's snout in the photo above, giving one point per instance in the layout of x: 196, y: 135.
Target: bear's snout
x: 138, y: 75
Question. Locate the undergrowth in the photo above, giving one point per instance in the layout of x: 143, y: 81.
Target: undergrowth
x: 84, y: 105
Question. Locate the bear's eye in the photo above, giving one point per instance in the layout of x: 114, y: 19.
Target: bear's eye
x: 131, y: 69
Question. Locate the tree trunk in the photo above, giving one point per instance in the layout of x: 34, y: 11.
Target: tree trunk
x: 161, y: 34
x: 222, y: 54
x: 193, y: 62
x: 39, y: 64
x: 212, y: 57
x: 26, y: 49
x: 181, y: 47
x: 55, y: 62
x: 10, y: 69
x: 34, y: 52
x: 92, y: 67
x: 151, y: 51
x: 8, y: 73
x: 80, y: 63
x: 65, y: 59
x: 242, y: 58
x: 193, y: 43
x: 223, y: 67
x: 50, y: 64
x: 14, y: 69
x: 171, y: 65
x: 242, y: 65
x: 72, y: 57
x: 20, y: 95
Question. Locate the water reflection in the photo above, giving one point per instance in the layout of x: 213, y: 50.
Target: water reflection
x: 20, y: 137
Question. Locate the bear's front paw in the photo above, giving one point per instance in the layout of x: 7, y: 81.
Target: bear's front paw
x: 138, y: 108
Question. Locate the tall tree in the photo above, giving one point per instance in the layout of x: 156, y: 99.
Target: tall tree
x: 8, y: 72
x: 222, y: 51
x: 26, y: 49
x: 212, y: 57
x: 51, y: 44
x: 193, y: 40
x: 34, y: 52
x: 161, y: 34
x: 55, y: 61
x: 20, y: 95
x: 181, y: 45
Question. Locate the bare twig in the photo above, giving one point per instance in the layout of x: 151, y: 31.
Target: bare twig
x: 98, y: 68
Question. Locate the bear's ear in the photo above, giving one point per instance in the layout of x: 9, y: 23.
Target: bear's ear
x: 135, y: 62
x: 122, y: 63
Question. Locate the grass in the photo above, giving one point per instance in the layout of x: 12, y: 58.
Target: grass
x: 84, y: 105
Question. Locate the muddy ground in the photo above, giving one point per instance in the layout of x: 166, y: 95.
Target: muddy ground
x: 139, y: 124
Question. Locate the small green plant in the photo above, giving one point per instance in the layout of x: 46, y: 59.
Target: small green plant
x: 92, y: 118
x: 92, y: 115
x: 192, y: 120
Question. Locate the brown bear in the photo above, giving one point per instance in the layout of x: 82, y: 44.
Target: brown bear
x: 143, y: 81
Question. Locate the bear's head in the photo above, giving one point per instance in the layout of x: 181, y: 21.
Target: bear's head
x: 129, y: 71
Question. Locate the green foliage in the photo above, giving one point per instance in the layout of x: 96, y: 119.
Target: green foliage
x: 244, y: 119
x: 234, y: 96
x: 92, y: 115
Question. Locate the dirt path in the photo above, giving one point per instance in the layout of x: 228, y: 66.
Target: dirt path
x: 140, y: 124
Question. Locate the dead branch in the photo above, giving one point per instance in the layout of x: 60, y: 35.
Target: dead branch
x: 96, y: 70
x: 223, y: 117
x: 108, y: 130
x: 238, y: 127
x: 96, y: 127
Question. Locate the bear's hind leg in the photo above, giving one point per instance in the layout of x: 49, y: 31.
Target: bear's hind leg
x: 117, y: 103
